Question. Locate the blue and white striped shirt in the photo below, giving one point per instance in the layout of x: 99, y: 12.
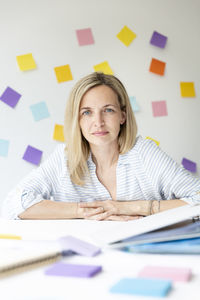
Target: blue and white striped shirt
x: 144, y: 173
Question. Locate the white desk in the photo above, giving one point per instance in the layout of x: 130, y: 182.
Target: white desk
x: 116, y: 265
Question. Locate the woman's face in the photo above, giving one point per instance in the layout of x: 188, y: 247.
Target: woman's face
x: 100, y: 116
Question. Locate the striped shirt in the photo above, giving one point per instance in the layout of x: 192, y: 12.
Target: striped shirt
x: 143, y: 173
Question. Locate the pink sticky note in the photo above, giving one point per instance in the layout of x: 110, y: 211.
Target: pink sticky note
x: 171, y: 273
x: 84, y: 37
x: 159, y: 108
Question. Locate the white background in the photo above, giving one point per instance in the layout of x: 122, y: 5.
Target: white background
x: 46, y: 28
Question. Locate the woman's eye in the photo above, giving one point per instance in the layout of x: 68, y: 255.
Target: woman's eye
x: 86, y: 113
x: 109, y: 110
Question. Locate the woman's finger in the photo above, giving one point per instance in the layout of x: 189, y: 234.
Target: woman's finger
x: 92, y: 212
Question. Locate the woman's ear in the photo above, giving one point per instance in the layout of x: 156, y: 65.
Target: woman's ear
x: 123, y: 119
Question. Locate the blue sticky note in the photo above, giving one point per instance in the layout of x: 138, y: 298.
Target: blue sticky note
x: 4, y: 145
x: 134, y: 104
x: 142, y: 286
x: 39, y: 111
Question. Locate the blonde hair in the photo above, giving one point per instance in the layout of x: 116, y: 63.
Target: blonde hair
x: 77, y: 147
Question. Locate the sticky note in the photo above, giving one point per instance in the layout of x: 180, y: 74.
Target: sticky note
x: 32, y: 155
x: 78, y: 246
x: 63, y: 73
x: 158, y: 39
x: 58, y: 134
x: 142, y: 286
x: 171, y: 273
x: 10, y: 237
x: 189, y: 165
x: 4, y: 146
x: 10, y: 97
x: 103, y: 67
x: 73, y: 270
x: 187, y: 89
x: 134, y: 104
x: 85, y: 36
x: 155, y: 141
x: 157, y: 66
x: 39, y: 111
x: 26, y: 62
x: 159, y: 108
x: 126, y: 36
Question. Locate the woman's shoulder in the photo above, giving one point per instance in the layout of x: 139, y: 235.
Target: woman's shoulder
x: 144, y: 146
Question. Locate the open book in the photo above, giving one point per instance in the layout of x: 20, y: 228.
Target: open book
x: 124, y: 230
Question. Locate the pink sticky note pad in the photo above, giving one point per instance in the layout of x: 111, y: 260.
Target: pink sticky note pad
x: 171, y: 273
x: 85, y: 36
x: 159, y: 108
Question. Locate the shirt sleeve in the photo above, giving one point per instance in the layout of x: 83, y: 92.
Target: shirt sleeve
x: 35, y: 187
x: 169, y: 178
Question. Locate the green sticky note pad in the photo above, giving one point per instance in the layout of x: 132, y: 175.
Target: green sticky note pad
x: 142, y: 286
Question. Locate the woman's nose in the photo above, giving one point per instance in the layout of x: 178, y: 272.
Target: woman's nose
x: 99, y: 121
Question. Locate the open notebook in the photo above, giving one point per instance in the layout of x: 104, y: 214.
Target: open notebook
x: 124, y: 230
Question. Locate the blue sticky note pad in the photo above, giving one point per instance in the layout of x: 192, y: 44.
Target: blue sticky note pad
x: 134, y: 104
x: 142, y: 286
x: 4, y: 145
x: 39, y: 111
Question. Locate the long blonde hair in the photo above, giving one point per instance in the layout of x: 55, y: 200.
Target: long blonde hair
x: 77, y: 148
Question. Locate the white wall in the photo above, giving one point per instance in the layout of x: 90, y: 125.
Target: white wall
x: 47, y: 30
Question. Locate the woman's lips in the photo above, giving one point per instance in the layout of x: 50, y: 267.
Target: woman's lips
x: 100, y: 133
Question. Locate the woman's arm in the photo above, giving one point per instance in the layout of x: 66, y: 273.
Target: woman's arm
x: 119, y: 210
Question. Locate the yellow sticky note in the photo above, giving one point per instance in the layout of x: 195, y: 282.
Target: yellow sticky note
x: 126, y: 36
x: 157, y: 143
x: 26, y: 62
x: 187, y: 89
x: 58, y: 134
x: 10, y: 237
x: 63, y: 73
x: 103, y: 67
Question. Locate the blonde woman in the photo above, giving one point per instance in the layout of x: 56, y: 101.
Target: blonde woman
x: 104, y: 172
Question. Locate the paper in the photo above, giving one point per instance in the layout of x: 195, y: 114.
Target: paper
x: 122, y: 231
x: 10, y: 237
x: 85, y: 37
x: 58, y: 134
x: 4, y: 146
x: 157, y: 66
x: 189, y: 165
x: 104, y: 68
x: 158, y: 39
x: 155, y: 141
x: 26, y: 62
x: 159, y: 108
x: 142, y: 286
x: 170, y: 273
x: 32, y: 155
x: 73, y: 270
x: 10, y: 97
x: 126, y: 36
x: 39, y: 111
x: 78, y: 246
x: 134, y: 104
x: 63, y: 73
x: 187, y: 89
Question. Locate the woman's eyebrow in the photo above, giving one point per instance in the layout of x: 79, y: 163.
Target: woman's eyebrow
x: 87, y: 107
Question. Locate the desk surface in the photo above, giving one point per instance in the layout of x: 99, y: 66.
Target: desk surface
x: 35, y: 285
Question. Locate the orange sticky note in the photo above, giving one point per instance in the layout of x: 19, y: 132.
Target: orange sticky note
x: 58, y: 134
x: 63, y: 73
x: 103, y: 67
x: 157, y: 66
x: 155, y: 141
x: 187, y: 89
x: 26, y: 62
x: 126, y: 36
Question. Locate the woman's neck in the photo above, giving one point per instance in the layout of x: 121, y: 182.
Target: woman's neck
x: 105, y: 157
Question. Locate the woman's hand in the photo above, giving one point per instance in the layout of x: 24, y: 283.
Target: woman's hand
x: 105, y: 210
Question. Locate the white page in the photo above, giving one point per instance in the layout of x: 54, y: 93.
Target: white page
x: 125, y: 230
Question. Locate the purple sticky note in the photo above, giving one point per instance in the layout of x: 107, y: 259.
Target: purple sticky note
x: 189, y: 165
x: 78, y: 246
x: 171, y: 273
x: 74, y: 270
x: 32, y: 155
x: 158, y: 39
x: 84, y: 36
x: 10, y: 97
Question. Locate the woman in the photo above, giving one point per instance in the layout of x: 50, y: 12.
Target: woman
x: 104, y: 172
